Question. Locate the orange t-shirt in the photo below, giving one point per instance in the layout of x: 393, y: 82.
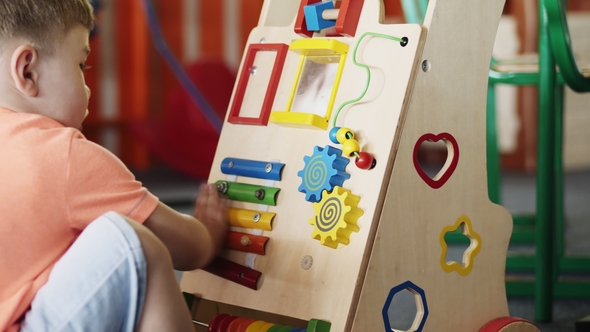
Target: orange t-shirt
x: 53, y: 182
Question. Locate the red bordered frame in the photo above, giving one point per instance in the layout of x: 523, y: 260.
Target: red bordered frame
x: 262, y: 119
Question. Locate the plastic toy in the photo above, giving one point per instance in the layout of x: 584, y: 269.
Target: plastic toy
x: 322, y: 15
x: 246, y: 242
x: 317, y: 15
x: 335, y: 217
x: 251, y: 219
x: 316, y: 83
x: 252, y: 168
x: 249, y: 75
x: 323, y: 170
x: 248, y: 193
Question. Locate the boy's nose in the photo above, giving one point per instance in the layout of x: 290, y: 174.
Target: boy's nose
x: 88, y: 93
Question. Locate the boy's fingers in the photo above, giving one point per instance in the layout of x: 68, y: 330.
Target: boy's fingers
x: 202, y: 202
x: 216, y: 206
x: 210, y: 205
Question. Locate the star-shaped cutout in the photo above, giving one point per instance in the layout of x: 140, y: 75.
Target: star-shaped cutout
x: 465, y: 268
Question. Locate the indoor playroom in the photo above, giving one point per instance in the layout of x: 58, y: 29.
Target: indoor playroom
x: 397, y: 165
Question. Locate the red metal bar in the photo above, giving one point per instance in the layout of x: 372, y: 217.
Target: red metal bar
x: 246, y: 242
x: 235, y: 272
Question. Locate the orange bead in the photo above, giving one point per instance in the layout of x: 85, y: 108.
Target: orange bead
x: 344, y: 134
x: 350, y: 147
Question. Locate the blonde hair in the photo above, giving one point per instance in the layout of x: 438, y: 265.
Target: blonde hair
x: 42, y: 22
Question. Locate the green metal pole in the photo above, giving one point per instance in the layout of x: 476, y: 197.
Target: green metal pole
x: 545, y: 205
x: 559, y: 199
x: 492, y: 151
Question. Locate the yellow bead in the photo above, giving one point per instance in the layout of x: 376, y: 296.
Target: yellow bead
x: 344, y: 134
x: 350, y: 147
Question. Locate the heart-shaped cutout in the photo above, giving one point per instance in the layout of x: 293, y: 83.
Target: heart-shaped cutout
x: 450, y: 164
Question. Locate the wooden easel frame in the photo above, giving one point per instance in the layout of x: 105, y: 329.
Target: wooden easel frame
x: 436, y: 84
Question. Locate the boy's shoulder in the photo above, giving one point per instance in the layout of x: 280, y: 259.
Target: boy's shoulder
x: 14, y: 123
x: 33, y: 133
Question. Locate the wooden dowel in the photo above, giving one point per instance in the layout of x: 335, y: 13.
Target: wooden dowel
x: 330, y: 14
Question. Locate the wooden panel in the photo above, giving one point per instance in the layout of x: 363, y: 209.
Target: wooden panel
x: 407, y: 244
x: 326, y: 290
x: 402, y: 219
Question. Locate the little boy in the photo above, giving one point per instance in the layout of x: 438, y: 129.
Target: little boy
x: 66, y: 262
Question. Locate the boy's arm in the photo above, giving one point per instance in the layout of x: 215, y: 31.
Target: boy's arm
x: 192, y: 241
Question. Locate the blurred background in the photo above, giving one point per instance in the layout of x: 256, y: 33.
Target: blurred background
x: 139, y: 111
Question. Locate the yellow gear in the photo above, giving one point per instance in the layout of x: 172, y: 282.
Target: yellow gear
x: 335, y: 217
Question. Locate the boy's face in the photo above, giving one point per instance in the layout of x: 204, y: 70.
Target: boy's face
x: 61, y: 81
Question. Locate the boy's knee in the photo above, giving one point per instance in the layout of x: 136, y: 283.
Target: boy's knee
x: 154, y: 249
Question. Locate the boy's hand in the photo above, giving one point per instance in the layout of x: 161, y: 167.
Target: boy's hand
x: 211, y: 210
x: 192, y: 241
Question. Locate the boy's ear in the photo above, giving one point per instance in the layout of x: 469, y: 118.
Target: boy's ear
x: 24, y: 71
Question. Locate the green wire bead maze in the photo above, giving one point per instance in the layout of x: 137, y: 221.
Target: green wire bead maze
x: 347, y: 250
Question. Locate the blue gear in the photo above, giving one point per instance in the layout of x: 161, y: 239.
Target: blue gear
x: 323, y: 170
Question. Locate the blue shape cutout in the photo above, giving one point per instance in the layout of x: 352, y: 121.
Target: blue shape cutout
x: 406, y: 285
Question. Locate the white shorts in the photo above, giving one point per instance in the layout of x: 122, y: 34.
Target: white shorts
x: 97, y: 286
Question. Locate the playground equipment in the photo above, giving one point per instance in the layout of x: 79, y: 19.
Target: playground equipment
x: 334, y: 216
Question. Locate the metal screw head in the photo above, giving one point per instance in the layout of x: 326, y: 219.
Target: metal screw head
x: 256, y: 217
x: 222, y: 187
x: 253, y: 70
x: 306, y: 262
x: 245, y: 241
x: 262, y: 40
x: 425, y: 65
x: 259, y: 194
x: 404, y: 42
x: 268, y: 168
x: 231, y: 164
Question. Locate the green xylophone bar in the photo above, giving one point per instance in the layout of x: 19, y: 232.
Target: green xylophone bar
x: 250, y: 193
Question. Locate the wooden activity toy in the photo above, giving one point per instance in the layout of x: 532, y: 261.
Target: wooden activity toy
x: 334, y: 218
